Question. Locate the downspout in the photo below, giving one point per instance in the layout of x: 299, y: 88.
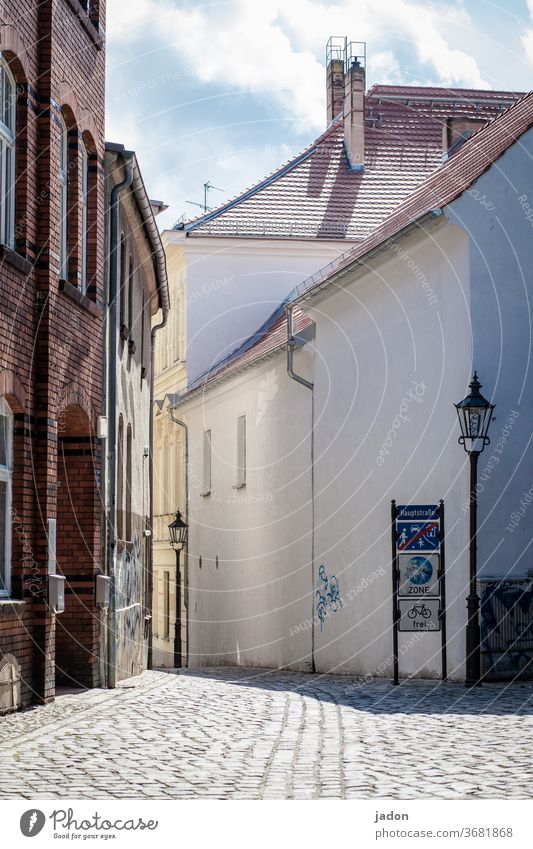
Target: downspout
x: 111, y: 410
x: 155, y: 328
x: 183, y: 425
x: 291, y: 344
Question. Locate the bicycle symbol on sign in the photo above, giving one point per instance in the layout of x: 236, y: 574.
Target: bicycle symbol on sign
x: 419, y: 610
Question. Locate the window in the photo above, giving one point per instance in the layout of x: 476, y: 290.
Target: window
x: 166, y: 605
x: 63, y: 208
x: 241, y: 451
x: 6, y: 476
x: 7, y: 154
x: 128, y: 484
x: 84, y: 217
x: 120, y: 480
x: 207, y: 462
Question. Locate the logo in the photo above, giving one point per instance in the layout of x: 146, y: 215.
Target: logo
x: 32, y: 822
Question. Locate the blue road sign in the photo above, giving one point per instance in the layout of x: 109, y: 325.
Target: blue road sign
x: 417, y: 536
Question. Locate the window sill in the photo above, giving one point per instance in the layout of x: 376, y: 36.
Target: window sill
x: 87, y: 24
x: 11, y: 257
x: 11, y: 602
x: 75, y: 295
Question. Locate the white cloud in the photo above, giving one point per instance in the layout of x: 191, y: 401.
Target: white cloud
x: 276, y: 49
x: 527, y: 36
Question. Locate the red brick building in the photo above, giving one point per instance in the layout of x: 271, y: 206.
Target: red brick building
x: 51, y: 290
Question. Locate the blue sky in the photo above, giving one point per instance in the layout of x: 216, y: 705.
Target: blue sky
x: 229, y: 91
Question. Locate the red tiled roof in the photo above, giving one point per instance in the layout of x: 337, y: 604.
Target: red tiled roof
x: 316, y: 196
x: 442, y: 187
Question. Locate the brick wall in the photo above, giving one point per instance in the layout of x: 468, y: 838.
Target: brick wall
x: 50, y: 356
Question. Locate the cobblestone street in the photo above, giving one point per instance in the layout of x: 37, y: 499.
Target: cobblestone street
x: 249, y: 734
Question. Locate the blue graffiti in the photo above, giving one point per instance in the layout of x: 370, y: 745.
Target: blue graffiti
x: 328, y: 596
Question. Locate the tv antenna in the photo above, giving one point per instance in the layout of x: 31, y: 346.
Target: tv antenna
x: 207, y: 188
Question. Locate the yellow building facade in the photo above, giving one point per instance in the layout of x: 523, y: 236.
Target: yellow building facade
x: 169, y: 464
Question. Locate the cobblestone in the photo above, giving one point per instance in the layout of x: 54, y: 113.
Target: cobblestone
x: 259, y: 734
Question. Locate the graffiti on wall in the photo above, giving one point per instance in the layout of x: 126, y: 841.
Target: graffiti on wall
x: 507, y: 629
x: 328, y: 598
x: 130, y: 610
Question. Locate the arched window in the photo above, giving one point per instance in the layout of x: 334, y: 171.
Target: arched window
x: 63, y: 187
x: 6, y: 479
x: 7, y: 154
x: 84, y: 201
x: 120, y: 480
x: 128, y: 484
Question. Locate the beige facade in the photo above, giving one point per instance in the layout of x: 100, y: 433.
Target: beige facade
x: 169, y: 466
x: 141, y: 294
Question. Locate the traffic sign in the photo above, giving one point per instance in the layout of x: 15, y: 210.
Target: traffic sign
x: 419, y: 574
x: 417, y: 512
x: 419, y: 614
x: 417, y: 536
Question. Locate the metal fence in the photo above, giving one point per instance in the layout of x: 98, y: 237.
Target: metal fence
x: 507, y: 628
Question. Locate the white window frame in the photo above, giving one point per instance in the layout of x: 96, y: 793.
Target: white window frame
x: 63, y: 184
x: 6, y: 474
x: 207, y: 453
x: 8, y: 91
x: 241, y: 452
x: 84, y: 217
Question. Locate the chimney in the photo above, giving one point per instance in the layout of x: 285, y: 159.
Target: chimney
x: 354, y: 105
x: 335, y: 53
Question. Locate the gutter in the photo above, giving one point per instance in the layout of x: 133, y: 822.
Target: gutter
x: 291, y: 344
x: 315, y: 287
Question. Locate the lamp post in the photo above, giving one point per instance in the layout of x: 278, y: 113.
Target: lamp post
x: 179, y: 532
x: 474, y: 413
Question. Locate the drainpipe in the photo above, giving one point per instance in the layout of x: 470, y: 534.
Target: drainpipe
x: 183, y: 425
x: 150, y: 600
x: 111, y: 311
x: 291, y: 344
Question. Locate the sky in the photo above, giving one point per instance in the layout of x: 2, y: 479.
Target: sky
x: 228, y: 91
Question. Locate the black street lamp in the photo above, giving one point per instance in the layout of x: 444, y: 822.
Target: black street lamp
x: 179, y: 533
x: 474, y: 413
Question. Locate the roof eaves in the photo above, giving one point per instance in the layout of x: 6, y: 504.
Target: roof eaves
x: 225, y: 375
x: 245, y: 346
x: 299, y: 295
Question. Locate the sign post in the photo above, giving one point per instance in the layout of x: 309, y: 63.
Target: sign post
x: 418, y: 576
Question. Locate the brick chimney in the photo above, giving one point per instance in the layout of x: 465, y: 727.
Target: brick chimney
x: 335, y: 54
x: 354, y: 105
